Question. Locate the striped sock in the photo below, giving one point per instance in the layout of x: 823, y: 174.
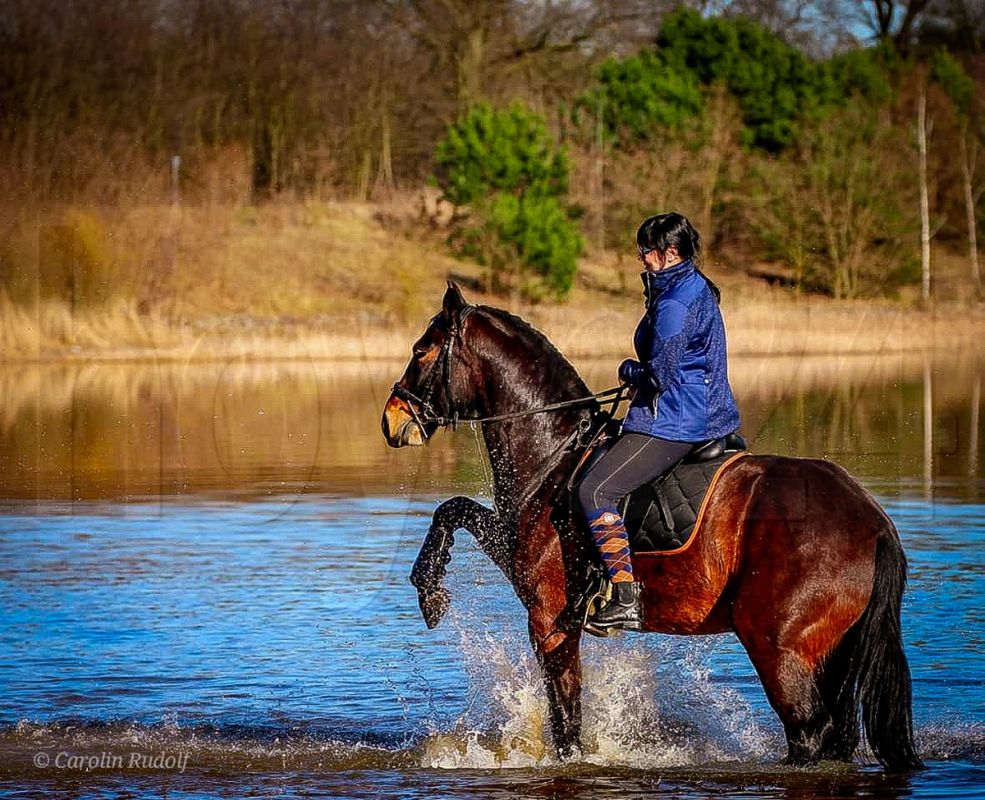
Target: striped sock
x: 609, y: 534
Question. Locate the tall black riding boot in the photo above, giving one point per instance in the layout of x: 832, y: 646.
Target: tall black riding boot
x: 622, y: 610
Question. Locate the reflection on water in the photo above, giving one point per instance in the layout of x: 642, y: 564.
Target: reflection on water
x: 97, y: 431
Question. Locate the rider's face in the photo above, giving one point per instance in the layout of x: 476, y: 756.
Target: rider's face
x: 655, y: 260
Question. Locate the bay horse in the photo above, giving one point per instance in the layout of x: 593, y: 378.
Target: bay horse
x: 793, y: 555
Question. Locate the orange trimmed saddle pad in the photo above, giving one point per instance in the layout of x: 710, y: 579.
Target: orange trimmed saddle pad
x: 663, y: 514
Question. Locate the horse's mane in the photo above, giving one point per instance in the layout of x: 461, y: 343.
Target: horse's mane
x: 565, y: 376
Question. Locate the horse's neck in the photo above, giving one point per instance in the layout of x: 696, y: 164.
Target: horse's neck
x: 519, y: 447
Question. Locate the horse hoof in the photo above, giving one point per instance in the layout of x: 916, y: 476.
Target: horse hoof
x: 434, y: 604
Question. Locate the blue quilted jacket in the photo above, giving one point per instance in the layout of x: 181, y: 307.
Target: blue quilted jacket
x: 681, y: 378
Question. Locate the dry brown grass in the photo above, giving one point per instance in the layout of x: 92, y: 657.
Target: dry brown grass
x: 352, y: 281
x: 51, y: 330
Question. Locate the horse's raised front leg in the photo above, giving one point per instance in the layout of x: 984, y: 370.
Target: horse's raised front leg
x: 429, y: 569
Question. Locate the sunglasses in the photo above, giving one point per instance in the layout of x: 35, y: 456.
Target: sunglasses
x: 643, y: 252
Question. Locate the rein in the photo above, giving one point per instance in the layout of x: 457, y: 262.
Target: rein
x: 423, y: 412
x: 615, y: 390
x: 426, y: 413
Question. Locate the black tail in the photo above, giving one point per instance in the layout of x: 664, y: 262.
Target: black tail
x: 880, y: 675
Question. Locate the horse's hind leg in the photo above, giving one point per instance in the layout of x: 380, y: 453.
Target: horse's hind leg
x: 817, y: 706
x: 838, y: 693
x: 793, y: 690
x: 807, y: 723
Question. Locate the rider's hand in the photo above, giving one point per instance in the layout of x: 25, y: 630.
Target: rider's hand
x: 629, y: 371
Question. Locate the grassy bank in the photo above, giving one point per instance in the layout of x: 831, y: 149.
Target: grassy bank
x: 359, y: 281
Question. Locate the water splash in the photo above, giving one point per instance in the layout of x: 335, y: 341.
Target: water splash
x: 647, y: 704
x: 504, y: 723
x: 651, y: 702
x: 623, y: 724
x: 952, y: 740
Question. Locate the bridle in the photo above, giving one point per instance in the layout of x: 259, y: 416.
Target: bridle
x: 423, y: 412
x: 421, y: 409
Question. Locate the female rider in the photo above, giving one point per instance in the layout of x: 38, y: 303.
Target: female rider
x: 682, y: 396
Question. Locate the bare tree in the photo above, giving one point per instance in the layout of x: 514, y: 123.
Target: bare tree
x: 893, y: 21
x: 922, y: 136
x: 969, y: 157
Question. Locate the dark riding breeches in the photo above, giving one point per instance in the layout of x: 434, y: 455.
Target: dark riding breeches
x: 633, y: 460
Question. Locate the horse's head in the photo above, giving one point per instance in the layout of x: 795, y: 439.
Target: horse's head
x: 429, y: 393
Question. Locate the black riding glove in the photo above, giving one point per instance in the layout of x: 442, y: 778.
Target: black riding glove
x: 630, y: 371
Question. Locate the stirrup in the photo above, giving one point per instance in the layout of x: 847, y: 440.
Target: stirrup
x: 617, y: 606
x: 596, y: 600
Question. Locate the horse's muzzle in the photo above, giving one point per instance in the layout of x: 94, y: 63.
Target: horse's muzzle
x: 399, y: 427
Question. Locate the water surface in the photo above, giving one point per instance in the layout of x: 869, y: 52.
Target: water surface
x: 209, y: 562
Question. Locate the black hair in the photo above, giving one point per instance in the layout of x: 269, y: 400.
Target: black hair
x: 663, y: 231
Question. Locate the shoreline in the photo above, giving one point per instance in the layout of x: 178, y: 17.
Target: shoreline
x: 291, y: 281
x: 171, y: 359
x: 753, y: 331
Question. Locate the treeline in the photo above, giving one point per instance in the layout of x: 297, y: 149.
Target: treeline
x: 788, y: 130
x: 820, y: 164
x: 346, y: 96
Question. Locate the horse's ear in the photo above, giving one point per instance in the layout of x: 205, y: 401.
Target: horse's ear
x: 454, y: 301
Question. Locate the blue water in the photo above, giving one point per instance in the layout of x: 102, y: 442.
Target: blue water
x: 278, y: 645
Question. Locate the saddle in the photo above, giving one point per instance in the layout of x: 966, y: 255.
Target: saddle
x: 660, y: 515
